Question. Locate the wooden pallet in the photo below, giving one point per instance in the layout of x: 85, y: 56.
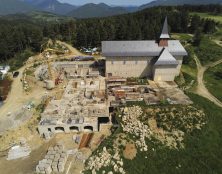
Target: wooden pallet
x: 85, y: 141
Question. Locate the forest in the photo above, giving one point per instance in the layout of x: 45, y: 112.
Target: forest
x: 19, y: 38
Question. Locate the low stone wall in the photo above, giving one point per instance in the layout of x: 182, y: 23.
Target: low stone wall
x: 46, y: 130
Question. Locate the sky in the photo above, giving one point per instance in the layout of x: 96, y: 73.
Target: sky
x: 109, y: 2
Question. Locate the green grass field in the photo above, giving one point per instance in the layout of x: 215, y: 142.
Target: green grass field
x: 188, y: 70
x: 217, y: 36
x: 183, y: 37
x: 209, y: 16
x: 213, y: 79
x: 208, y: 51
x: 48, y: 17
x: 201, y: 155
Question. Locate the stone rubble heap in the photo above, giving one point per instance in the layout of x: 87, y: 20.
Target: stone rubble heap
x: 188, y: 118
x: 105, y: 159
x: 18, y: 151
x: 54, y: 160
x: 131, y: 124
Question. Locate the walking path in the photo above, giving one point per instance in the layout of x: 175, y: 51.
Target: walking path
x: 201, y: 88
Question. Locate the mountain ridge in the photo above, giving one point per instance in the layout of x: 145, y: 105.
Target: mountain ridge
x: 14, y: 6
x: 52, y: 6
x: 89, y: 10
x: 96, y: 10
x: 178, y: 2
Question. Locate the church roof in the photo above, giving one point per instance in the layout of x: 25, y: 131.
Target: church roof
x: 140, y: 48
x: 165, y: 32
x: 166, y: 58
x: 143, y: 48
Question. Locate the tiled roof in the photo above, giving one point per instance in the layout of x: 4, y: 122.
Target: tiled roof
x: 140, y: 48
x: 166, y: 58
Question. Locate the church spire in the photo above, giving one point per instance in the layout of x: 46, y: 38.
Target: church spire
x: 164, y: 35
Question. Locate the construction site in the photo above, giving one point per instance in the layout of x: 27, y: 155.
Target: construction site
x: 72, y: 111
x: 82, y: 108
x: 88, y: 96
x: 62, y: 117
x: 122, y: 90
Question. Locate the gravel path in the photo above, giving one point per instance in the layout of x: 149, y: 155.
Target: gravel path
x: 201, y: 88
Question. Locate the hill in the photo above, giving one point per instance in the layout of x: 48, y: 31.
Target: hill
x: 48, y: 17
x: 52, y: 6
x: 179, y: 2
x: 96, y: 10
x: 37, y: 17
x: 14, y: 6
x: 90, y: 10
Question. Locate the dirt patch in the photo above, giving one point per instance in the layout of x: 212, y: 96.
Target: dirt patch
x: 27, y: 130
x: 152, y: 123
x: 24, y: 165
x: 153, y: 126
x: 130, y: 151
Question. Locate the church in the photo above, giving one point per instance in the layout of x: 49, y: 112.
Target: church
x: 158, y: 60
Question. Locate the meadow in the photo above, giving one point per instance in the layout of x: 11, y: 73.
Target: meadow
x: 217, y: 18
x: 213, y: 79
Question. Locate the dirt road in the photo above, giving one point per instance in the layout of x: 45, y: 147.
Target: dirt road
x: 15, y: 101
x: 218, y: 42
x: 201, y: 88
x: 73, y: 50
x: 17, y: 97
x: 14, y: 95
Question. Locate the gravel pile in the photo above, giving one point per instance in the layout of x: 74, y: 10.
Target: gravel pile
x: 105, y: 159
x: 131, y: 124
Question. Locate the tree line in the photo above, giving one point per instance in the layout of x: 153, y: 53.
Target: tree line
x: 143, y: 25
x: 19, y: 35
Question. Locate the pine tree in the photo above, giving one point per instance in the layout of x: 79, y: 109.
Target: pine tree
x: 197, y: 37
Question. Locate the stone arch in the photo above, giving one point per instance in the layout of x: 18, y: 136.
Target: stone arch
x: 74, y: 129
x: 88, y: 128
x: 59, y: 129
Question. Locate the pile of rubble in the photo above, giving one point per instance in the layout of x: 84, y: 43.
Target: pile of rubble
x: 19, y: 151
x: 105, y: 159
x: 187, y: 118
x: 131, y: 124
x: 26, y: 86
x: 173, y: 124
x: 54, y: 160
x: 41, y: 73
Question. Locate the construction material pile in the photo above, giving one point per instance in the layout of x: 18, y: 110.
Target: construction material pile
x: 106, y: 159
x: 131, y: 124
x: 54, y: 160
x: 167, y: 124
x: 19, y: 152
x: 41, y: 73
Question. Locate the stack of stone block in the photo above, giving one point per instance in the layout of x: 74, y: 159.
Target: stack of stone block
x: 54, y: 160
x: 44, y: 167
